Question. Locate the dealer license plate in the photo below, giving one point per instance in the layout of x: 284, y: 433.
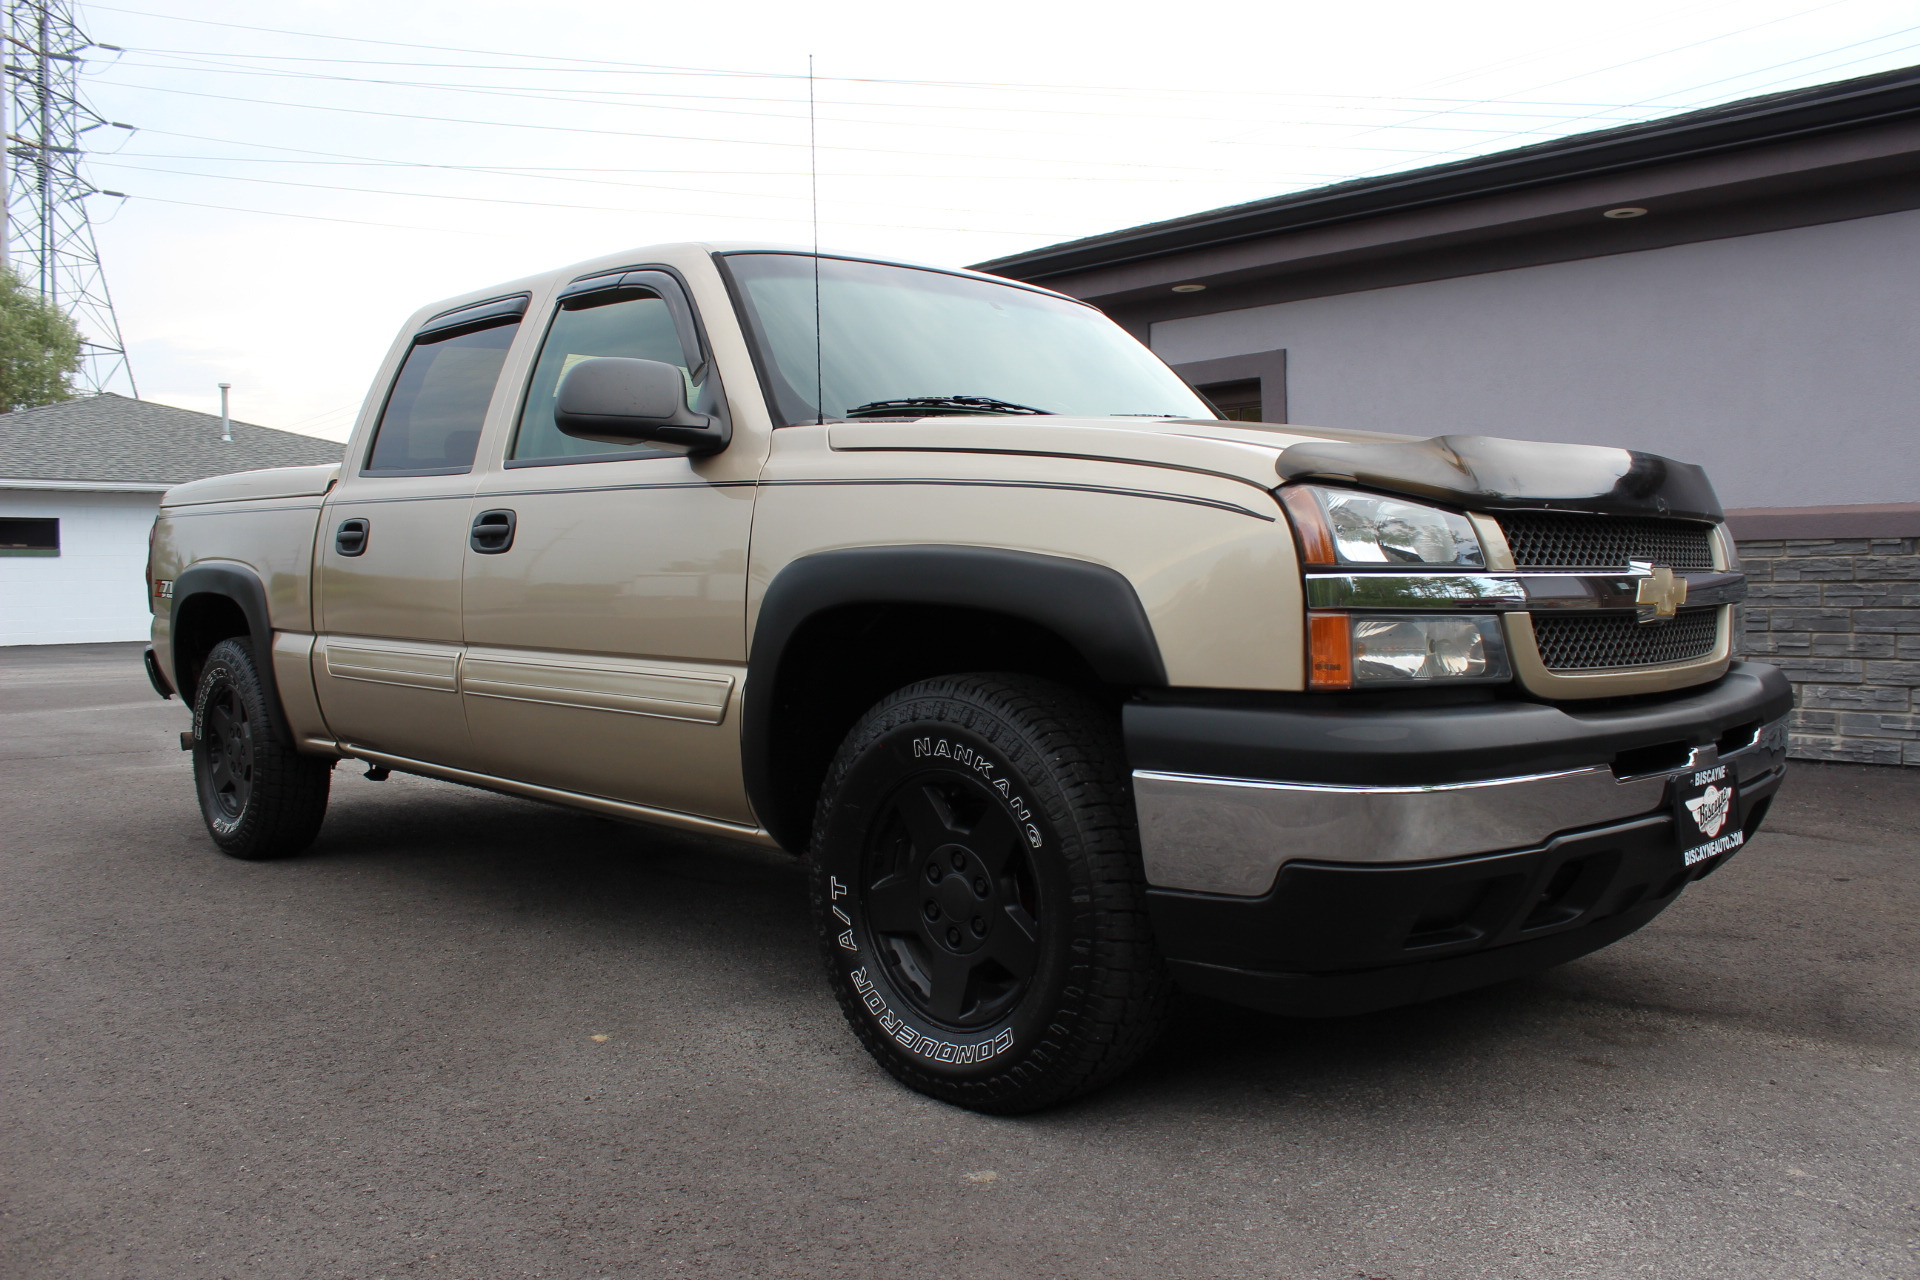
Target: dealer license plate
x: 1706, y: 814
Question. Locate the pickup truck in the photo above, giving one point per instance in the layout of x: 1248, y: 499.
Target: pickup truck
x: 1070, y: 692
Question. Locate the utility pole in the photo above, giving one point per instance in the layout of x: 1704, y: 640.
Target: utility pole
x: 6, y: 169
x: 48, y: 239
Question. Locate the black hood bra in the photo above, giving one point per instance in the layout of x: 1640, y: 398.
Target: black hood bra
x: 1487, y: 473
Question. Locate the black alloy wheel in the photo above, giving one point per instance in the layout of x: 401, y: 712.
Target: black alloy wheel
x: 953, y: 898
x: 226, y: 736
x: 979, y: 895
x: 259, y: 797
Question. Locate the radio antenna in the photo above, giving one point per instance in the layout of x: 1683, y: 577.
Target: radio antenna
x: 813, y: 177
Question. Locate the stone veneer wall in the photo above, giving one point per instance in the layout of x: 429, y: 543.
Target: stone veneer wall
x: 1841, y: 616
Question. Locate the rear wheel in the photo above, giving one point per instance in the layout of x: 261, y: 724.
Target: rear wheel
x: 978, y: 890
x: 260, y: 798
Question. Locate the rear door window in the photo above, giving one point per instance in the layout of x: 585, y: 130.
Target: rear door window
x: 432, y: 419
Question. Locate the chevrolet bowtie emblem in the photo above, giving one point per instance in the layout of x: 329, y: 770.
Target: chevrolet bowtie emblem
x: 1660, y: 593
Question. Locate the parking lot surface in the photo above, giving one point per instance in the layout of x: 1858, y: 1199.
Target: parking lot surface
x: 469, y: 1036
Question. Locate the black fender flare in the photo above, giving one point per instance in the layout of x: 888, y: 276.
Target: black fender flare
x: 240, y: 584
x: 1091, y: 607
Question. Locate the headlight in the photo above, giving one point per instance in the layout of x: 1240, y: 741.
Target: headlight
x: 1729, y: 550
x: 1350, y: 651
x: 1343, y: 526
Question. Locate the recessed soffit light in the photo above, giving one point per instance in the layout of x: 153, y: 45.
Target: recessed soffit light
x: 1628, y: 211
x: 1188, y: 288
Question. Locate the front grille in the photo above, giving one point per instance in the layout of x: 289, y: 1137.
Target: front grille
x: 1569, y: 643
x: 1565, y: 540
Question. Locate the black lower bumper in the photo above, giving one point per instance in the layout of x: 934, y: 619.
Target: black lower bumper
x: 1334, y: 939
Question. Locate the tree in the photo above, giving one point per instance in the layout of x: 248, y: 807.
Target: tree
x: 39, y: 348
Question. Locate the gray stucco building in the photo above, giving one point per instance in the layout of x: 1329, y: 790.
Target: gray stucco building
x: 1737, y: 287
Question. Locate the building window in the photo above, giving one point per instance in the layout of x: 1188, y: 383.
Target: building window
x: 1248, y: 388
x: 29, y: 536
x: 1236, y: 401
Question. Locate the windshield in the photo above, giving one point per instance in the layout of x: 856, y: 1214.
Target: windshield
x: 903, y: 342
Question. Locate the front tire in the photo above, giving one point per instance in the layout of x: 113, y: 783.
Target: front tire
x: 978, y: 891
x: 260, y: 798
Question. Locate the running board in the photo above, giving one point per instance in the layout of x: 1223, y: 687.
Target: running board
x: 552, y: 795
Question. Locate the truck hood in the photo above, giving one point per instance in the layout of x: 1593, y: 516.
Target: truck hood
x: 1475, y: 472
x: 255, y: 486
x: 1249, y: 453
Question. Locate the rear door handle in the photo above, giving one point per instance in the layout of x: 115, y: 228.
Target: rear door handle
x: 351, y: 537
x: 492, y: 532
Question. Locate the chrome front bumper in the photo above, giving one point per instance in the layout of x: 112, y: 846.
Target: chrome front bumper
x: 1232, y: 835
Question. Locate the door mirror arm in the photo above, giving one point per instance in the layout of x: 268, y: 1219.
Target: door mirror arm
x: 616, y: 400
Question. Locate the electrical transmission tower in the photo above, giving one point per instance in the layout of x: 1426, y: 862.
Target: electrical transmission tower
x: 49, y: 239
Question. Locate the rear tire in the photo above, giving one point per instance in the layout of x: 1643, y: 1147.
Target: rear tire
x: 978, y: 892
x: 260, y: 798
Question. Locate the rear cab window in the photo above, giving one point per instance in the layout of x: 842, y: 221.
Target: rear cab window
x: 437, y: 406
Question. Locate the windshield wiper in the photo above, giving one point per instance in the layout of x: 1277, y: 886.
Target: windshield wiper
x: 928, y: 406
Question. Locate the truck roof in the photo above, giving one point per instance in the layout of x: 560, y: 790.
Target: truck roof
x: 675, y: 253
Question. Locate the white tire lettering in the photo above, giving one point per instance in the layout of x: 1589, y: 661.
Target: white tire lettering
x: 911, y: 1039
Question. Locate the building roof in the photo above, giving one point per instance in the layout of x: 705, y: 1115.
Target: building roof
x: 113, y: 441
x: 1797, y: 114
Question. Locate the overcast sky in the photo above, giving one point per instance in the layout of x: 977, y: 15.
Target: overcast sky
x: 294, y: 193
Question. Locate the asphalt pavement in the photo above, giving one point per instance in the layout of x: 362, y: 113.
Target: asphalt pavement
x: 469, y: 1036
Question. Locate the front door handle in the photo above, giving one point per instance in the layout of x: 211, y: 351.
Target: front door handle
x: 492, y: 532
x: 350, y: 539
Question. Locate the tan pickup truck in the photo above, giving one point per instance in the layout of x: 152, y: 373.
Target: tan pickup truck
x: 1070, y: 691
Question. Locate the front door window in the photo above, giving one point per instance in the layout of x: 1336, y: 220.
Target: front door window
x: 619, y: 322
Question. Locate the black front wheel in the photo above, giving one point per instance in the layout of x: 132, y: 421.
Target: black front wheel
x: 260, y: 798
x: 978, y: 890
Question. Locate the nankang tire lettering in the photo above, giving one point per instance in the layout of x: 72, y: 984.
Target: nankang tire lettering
x: 980, y: 763
x: 913, y: 1041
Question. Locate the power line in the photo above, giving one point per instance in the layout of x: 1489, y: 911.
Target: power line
x: 1713, y: 39
x: 217, y: 63
x: 1753, y: 90
x: 1585, y: 39
x: 119, y: 158
x: 628, y: 133
x: 555, y: 173
x: 540, y: 204
x: 664, y: 69
x: 295, y: 426
x: 494, y: 91
x: 1628, y: 63
x: 316, y: 217
x: 1811, y: 57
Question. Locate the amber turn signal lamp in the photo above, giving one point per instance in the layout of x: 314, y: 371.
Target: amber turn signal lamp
x: 1329, y: 651
x: 1309, y: 526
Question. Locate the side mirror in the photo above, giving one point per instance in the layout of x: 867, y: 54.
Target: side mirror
x: 615, y: 400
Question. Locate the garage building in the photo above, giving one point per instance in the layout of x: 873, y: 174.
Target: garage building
x: 80, y: 482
